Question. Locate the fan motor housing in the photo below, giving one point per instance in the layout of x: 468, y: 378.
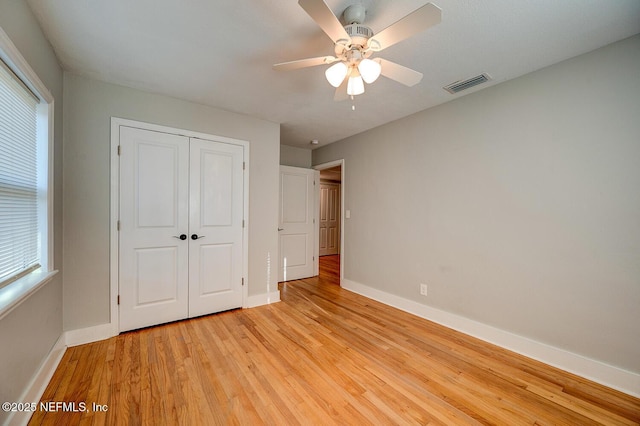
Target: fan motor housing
x: 359, y: 33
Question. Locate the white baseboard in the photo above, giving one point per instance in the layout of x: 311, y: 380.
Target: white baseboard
x: 613, y: 377
x: 38, y: 384
x: 89, y: 334
x: 263, y: 299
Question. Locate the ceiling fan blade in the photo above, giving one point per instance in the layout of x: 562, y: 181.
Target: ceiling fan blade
x: 397, y: 72
x: 341, y: 91
x: 303, y: 63
x: 324, y: 17
x: 415, y: 22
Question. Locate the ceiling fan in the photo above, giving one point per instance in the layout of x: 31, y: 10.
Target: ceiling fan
x: 355, y: 43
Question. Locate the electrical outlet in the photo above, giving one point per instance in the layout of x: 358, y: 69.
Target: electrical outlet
x: 423, y: 289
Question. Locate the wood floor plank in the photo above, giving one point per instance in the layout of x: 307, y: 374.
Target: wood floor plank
x: 323, y: 355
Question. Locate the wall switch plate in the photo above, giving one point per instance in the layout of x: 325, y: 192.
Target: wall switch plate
x: 423, y: 289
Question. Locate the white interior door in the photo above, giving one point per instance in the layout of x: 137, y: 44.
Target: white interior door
x: 296, y: 223
x: 181, y: 227
x: 154, y: 213
x: 215, y: 227
x: 329, y: 219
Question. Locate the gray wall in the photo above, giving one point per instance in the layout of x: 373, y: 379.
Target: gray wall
x: 89, y: 106
x: 518, y: 205
x: 29, y: 331
x: 295, y: 157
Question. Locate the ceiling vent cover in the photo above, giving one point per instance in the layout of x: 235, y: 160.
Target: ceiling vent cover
x: 459, y: 86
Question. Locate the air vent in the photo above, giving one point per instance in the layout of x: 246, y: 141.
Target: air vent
x: 459, y: 86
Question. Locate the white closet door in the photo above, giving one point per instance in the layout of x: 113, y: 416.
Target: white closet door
x: 154, y: 203
x: 215, y: 227
x: 296, y: 227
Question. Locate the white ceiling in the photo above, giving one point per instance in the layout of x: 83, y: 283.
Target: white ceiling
x: 220, y: 52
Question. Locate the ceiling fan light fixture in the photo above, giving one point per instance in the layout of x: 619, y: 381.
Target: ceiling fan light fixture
x: 354, y: 43
x: 369, y: 70
x: 336, y: 73
x: 355, y: 86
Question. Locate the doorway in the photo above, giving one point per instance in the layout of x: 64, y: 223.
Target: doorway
x: 332, y: 213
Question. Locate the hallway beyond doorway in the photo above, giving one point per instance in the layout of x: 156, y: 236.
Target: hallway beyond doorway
x: 330, y: 269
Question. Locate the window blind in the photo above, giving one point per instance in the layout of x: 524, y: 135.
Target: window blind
x: 19, y: 238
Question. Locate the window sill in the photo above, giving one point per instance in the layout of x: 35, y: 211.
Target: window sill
x: 12, y: 295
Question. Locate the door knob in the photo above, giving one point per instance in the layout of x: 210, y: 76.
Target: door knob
x: 196, y: 237
x: 181, y: 237
x: 280, y: 229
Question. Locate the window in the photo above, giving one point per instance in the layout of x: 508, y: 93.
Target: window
x: 26, y: 140
x: 19, y: 234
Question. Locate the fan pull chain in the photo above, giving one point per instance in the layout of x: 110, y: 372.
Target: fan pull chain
x: 353, y: 104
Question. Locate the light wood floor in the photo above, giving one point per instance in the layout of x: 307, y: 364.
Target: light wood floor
x: 321, y: 356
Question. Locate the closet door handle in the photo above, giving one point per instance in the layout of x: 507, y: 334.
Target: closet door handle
x: 195, y: 237
x: 181, y: 237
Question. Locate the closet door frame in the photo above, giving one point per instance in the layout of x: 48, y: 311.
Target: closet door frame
x: 113, y: 327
